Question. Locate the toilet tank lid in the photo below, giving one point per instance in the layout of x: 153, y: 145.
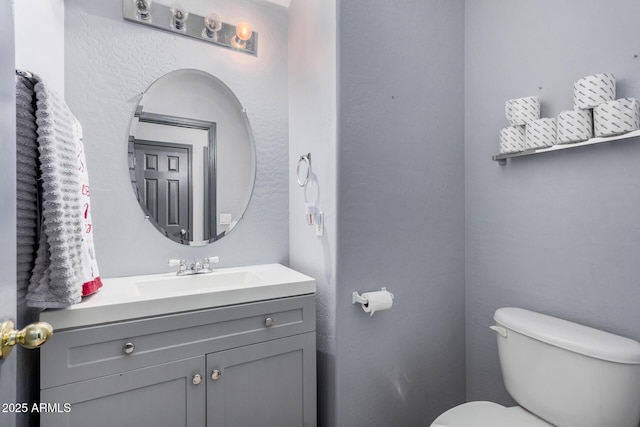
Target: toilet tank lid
x: 570, y: 336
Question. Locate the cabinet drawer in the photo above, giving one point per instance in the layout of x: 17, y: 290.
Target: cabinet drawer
x: 84, y: 353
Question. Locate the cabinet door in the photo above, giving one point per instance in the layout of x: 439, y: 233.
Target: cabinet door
x: 158, y: 396
x: 271, y: 384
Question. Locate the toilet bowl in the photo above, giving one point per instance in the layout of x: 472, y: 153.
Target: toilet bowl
x: 560, y: 373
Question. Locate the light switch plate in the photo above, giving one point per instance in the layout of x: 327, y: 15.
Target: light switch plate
x: 225, y: 219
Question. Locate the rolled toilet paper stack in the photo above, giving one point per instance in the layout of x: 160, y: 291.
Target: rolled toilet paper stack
x: 540, y: 133
x: 591, y: 91
x: 512, y: 139
x: 519, y: 112
x: 616, y: 117
x: 574, y: 126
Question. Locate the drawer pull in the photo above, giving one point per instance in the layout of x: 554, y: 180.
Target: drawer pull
x: 215, y: 375
x: 268, y: 322
x: 197, y: 379
x: 128, y: 348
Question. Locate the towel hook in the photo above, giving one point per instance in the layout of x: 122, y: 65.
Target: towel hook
x: 305, y: 158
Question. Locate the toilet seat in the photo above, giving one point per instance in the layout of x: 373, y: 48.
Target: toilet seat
x: 488, y: 414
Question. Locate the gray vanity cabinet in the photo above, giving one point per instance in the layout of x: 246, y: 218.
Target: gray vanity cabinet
x: 266, y: 385
x: 162, y: 395
x: 247, y: 365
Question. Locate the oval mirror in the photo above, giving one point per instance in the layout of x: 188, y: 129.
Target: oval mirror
x: 191, y: 157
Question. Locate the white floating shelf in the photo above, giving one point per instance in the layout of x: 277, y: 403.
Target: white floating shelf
x: 502, y: 158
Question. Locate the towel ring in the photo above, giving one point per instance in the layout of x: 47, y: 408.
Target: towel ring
x: 305, y: 158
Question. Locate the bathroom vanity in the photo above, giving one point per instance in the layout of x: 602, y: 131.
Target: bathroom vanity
x: 235, y: 347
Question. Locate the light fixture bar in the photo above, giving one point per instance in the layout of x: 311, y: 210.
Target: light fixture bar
x: 160, y: 17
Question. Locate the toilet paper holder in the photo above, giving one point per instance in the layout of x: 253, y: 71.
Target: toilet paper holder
x: 359, y: 299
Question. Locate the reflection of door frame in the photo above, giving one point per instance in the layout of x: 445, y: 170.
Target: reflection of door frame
x: 139, y: 190
x: 210, y: 203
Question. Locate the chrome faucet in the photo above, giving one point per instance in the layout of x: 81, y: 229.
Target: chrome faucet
x: 196, y: 267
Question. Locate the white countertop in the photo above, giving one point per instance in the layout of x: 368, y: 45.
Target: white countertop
x: 125, y: 298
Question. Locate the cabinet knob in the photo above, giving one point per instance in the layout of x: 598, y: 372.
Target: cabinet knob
x: 215, y: 375
x: 268, y: 322
x: 128, y: 348
x: 197, y: 379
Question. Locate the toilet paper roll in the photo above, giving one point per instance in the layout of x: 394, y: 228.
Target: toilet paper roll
x: 540, y: 133
x: 521, y: 111
x: 591, y: 91
x: 616, y: 117
x: 512, y: 139
x: 377, y: 301
x: 574, y: 126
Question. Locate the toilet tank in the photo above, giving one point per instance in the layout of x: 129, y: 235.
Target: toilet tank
x: 568, y: 374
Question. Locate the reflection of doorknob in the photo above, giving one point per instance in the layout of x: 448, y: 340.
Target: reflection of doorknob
x: 32, y: 336
x: 183, y: 232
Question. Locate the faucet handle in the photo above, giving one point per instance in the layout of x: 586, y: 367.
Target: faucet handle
x: 210, y: 260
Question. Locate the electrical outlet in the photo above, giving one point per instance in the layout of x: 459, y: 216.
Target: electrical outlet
x: 225, y: 219
x: 320, y: 224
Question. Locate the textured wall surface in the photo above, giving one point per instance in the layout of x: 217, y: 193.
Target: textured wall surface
x: 41, y: 55
x: 312, y: 129
x: 557, y: 233
x: 400, y: 210
x: 109, y: 62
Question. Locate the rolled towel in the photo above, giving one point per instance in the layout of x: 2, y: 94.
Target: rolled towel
x: 616, y: 117
x: 574, y: 126
x: 591, y: 91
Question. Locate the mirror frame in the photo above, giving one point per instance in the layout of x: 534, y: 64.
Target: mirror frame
x: 210, y: 185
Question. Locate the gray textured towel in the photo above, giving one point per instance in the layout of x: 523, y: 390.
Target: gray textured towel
x: 26, y: 183
x: 56, y: 280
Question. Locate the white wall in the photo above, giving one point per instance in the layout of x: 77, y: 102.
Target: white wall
x: 109, y: 61
x: 40, y: 40
x: 312, y: 129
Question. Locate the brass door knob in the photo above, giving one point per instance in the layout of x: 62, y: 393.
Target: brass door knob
x: 32, y: 336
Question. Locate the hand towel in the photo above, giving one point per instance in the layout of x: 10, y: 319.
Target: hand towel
x: 26, y: 184
x: 61, y: 262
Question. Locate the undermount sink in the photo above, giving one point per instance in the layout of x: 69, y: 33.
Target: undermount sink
x: 132, y: 297
x: 197, y: 283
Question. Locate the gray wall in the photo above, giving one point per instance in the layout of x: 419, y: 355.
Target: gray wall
x: 8, y: 207
x: 400, y: 210
x: 109, y: 61
x: 558, y: 233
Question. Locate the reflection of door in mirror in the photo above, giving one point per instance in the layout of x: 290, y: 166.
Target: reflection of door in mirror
x: 185, y: 207
x: 164, y: 184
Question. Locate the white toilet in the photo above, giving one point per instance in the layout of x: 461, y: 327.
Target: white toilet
x: 560, y: 373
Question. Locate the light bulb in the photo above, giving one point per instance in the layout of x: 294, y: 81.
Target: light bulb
x: 179, y: 17
x: 243, y: 33
x: 143, y: 9
x: 212, y: 24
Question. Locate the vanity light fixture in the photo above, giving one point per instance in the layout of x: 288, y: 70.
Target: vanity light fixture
x: 212, y: 25
x: 143, y: 9
x: 243, y: 34
x: 177, y: 20
x: 179, y: 17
